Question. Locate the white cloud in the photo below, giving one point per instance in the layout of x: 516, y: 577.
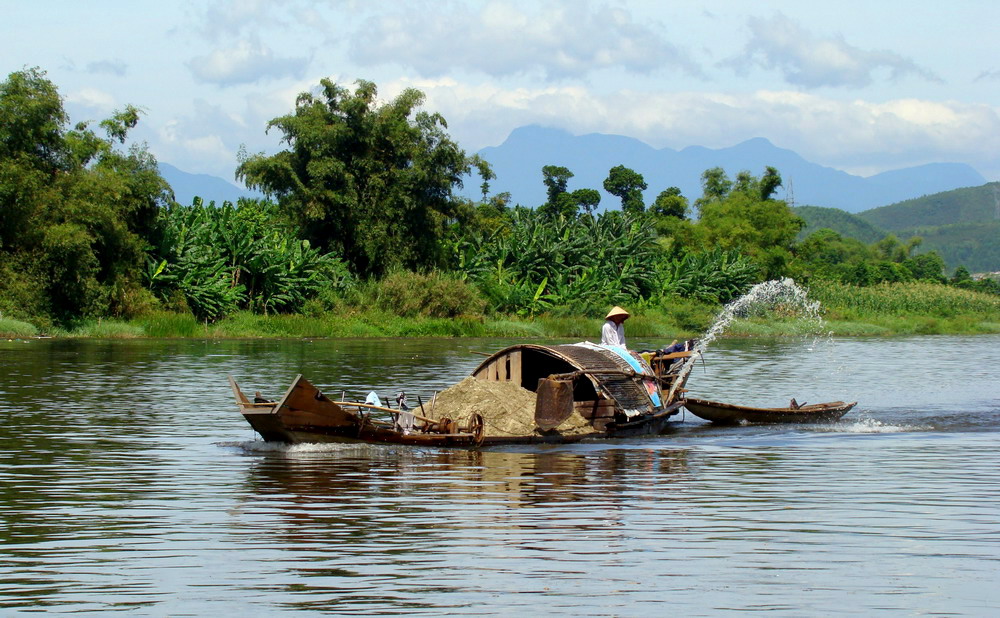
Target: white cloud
x: 813, y: 61
x: 92, y: 98
x: 848, y: 134
x: 501, y: 38
x: 247, y: 62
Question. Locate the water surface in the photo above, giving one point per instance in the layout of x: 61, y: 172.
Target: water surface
x: 128, y: 481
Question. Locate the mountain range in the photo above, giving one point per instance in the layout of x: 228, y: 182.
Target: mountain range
x: 962, y: 225
x: 518, y: 163
x: 519, y: 160
x: 209, y: 188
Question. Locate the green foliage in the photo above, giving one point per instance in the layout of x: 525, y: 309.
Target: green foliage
x: 72, y: 205
x: 715, y: 186
x: 556, y: 178
x: 237, y: 257
x: 716, y: 276
x: 537, y: 263
x: 973, y: 244
x: 627, y: 185
x: 763, y: 229
x: 9, y: 327
x: 670, y: 203
x: 968, y: 205
x: 432, y: 295
x: 960, y: 225
x: 844, y: 223
x: 917, y: 298
x: 370, y: 182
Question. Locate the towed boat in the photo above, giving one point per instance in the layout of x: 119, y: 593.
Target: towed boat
x: 522, y: 394
x: 731, y: 414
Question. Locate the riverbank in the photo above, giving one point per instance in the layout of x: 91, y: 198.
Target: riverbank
x: 886, y: 310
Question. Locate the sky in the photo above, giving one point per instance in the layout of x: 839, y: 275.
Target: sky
x: 862, y: 86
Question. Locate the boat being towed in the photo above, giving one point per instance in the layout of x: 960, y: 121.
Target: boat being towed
x: 732, y: 414
x: 522, y: 394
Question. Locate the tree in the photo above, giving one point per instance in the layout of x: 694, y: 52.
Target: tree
x: 670, y: 203
x: 76, y: 212
x: 627, y: 185
x: 556, y: 179
x: 769, y: 182
x: 371, y: 182
x: 738, y: 218
x: 715, y: 186
x: 587, y: 199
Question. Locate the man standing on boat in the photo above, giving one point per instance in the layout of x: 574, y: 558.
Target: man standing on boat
x: 613, y: 332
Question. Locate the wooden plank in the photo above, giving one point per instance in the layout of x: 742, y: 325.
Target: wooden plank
x: 515, y: 367
x: 605, y: 408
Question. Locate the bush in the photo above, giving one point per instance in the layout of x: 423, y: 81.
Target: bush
x: 10, y: 327
x: 434, y: 295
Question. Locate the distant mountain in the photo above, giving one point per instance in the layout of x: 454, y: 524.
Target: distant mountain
x: 969, y: 205
x: 519, y: 160
x: 842, y: 222
x: 209, y: 188
x: 962, y: 225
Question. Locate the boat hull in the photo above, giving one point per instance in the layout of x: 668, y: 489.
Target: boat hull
x: 731, y: 414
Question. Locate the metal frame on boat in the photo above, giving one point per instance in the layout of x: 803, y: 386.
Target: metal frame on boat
x: 616, y: 392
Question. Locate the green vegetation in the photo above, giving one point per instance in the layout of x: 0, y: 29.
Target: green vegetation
x: 968, y: 205
x: 362, y: 235
x: 961, y: 226
x: 840, y: 221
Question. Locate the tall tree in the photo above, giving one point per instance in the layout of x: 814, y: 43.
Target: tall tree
x: 627, y: 185
x: 373, y: 182
x: 587, y: 199
x: 715, y: 186
x: 76, y: 212
x: 670, y: 203
x: 559, y: 201
x: 738, y: 218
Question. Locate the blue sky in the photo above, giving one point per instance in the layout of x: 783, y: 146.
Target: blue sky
x: 859, y: 86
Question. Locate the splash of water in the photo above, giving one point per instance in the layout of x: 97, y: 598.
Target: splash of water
x: 781, y: 294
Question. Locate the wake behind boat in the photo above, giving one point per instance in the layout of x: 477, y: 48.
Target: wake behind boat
x: 731, y: 414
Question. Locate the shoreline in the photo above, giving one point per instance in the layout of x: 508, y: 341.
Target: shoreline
x: 301, y: 327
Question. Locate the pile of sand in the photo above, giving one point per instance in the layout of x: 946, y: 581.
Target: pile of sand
x: 506, y: 408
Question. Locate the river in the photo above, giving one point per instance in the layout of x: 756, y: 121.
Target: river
x: 129, y: 482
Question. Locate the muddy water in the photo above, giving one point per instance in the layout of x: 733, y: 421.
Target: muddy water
x: 129, y: 482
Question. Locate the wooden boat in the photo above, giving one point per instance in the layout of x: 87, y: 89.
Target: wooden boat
x: 731, y: 414
x: 580, y: 391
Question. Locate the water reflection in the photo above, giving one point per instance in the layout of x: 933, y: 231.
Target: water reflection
x: 128, y: 481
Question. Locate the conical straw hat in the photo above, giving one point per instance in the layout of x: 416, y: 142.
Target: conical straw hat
x: 616, y: 311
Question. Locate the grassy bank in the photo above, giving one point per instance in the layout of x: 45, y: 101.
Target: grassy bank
x: 891, y: 309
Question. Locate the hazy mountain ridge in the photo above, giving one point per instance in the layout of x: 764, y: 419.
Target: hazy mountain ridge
x: 209, y: 188
x: 967, y: 205
x: 962, y: 225
x: 519, y: 160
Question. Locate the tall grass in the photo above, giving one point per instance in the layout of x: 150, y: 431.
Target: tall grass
x: 915, y: 298
x: 9, y: 327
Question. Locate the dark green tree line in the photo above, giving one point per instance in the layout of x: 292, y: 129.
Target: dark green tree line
x: 76, y: 210
x: 372, y: 182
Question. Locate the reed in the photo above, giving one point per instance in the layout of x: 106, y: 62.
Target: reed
x: 9, y: 327
x: 917, y: 298
x: 106, y: 329
x: 168, y: 324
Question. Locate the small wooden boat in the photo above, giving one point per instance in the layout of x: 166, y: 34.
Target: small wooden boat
x: 565, y: 393
x: 731, y: 414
